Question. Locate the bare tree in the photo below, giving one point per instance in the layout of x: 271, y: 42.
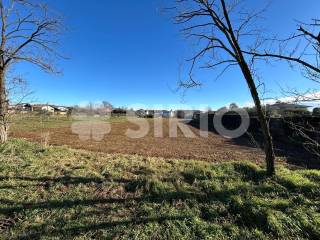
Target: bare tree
x: 29, y: 33
x: 303, y: 50
x: 304, y: 124
x: 220, y: 26
x: 309, y: 135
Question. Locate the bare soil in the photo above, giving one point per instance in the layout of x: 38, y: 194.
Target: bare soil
x: 60, y: 132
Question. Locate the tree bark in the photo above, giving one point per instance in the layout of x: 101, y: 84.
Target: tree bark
x: 3, y: 134
x: 3, y: 109
x: 3, y: 95
x: 268, y: 143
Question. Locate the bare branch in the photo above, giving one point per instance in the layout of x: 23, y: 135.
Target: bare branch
x: 283, y: 57
x: 29, y: 33
x: 209, y: 22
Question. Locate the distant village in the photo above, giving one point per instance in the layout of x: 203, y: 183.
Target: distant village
x: 277, y: 109
x: 39, y: 108
x: 24, y: 108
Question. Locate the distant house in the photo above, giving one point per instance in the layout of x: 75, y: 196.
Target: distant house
x: 284, y: 109
x: 165, y: 114
x: 162, y: 114
x: 20, y: 108
x: 140, y: 113
x: 186, y: 114
x: 43, y: 108
x: 157, y: 114
x: 153, y: 113
x: 61, y: 110
x: 172, y: 114
x: 150, y: 113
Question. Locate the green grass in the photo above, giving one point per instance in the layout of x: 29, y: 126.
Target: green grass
x: 36, y: 122
x: 59, y: 193
x: 32, y: 122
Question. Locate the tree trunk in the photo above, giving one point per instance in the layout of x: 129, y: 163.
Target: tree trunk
x: 3, y: 109
x: 268, y: 143
x: 3, y: 134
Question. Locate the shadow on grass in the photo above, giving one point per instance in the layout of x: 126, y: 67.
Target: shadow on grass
x: 48, y: 182
x: 75, y: 231
x: 66, y: 180
x: 235, y: 203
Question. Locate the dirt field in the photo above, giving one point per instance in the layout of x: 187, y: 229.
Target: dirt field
x: 61, y: 131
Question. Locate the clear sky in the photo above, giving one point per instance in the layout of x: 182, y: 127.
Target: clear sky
x: 129, y: 52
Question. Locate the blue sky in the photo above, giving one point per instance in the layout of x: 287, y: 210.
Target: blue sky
x: 128, y: 52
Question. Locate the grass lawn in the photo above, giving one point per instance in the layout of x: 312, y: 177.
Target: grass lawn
x: 59, y: 193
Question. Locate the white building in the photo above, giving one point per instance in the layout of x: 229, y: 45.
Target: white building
x: 43, y: 108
